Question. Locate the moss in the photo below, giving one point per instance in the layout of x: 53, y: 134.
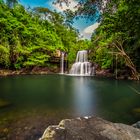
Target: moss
x: 137, y: 110
x: 4, y: 103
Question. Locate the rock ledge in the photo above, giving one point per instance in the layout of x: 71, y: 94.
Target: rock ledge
x: 90, y: 128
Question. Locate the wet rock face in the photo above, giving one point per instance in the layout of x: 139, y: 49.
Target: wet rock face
x: 91, y: 128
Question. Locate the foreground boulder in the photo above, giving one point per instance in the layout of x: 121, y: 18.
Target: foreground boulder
x: 90, y: 128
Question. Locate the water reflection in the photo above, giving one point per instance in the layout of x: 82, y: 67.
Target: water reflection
x: 83, y: 97
x: 74, y: 96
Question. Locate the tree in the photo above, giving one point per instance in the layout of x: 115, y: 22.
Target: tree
x: 11, y: 3
x: 42, y: 10
x: 28, y: 40
x: 122, y: 23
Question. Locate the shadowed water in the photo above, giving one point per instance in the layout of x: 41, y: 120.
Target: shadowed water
x: 35, y: 101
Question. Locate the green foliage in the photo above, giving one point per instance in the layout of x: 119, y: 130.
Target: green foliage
x: 4, y: 56
x: 120, y: 25
x: 32, y: 39
x: 103, y: 58
x: 37, y: 59
x: 11, y: 3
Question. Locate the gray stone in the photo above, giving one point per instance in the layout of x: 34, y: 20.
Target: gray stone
x: 137, y: 124
x: 90, y: 128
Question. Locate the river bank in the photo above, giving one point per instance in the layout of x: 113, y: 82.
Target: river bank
x: 35, y: 70
x: 47, y: 70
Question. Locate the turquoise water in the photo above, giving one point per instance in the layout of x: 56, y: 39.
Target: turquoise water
x: 36, y: 101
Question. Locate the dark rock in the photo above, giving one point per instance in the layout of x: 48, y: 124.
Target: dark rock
x: 104, y: 73
x: 4, y: 103
x: 137, y: 125
x: 90, y: 128
x: 3, y: 133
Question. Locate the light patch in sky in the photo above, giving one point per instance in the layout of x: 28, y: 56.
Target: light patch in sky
x: 71, y: 6
x: 81, y: 24
x: 90, y: 29
x: 87, y: 32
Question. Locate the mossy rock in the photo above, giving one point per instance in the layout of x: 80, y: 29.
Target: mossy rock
x: 136, y: 110
x: 4, y: 103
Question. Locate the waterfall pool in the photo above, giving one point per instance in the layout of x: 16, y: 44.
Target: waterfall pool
x: 33, y: 102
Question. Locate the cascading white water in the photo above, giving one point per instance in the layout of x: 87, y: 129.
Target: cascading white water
x: 62, y: 62
x: 82, y: 66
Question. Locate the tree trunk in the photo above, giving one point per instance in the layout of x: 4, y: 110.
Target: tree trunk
x: 128, y: 61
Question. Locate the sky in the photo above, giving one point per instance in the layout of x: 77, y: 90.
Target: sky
x: 85, y: 26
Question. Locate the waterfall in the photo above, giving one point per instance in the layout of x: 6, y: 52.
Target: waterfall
x: 62, y: 62
x: 82, y: 66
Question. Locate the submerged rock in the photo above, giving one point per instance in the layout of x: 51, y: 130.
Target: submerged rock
x: 91, y: 128
x: 136, y: 110
x: 4, y: 103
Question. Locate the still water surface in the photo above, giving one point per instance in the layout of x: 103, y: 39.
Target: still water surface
x: 37, y: 101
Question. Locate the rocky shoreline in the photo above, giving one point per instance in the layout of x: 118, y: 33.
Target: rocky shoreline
x: 36, y: 70
x: 91, y: 128
x: 46, y: 70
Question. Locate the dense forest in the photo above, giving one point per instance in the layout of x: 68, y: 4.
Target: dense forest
x: 117, y: 40
x: 31, y: 37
